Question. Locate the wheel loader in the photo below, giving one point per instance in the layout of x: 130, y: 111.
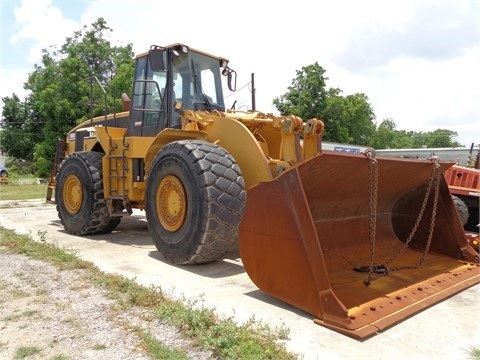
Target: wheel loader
x: 464, y: 185
x: 358, y: 241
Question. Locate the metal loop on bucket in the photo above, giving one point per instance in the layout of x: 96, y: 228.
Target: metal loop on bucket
x: 369, y: 153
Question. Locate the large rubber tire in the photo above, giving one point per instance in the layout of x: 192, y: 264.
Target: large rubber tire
x: 462, y: 209
x: 195, y: 200
x: 81, y: 205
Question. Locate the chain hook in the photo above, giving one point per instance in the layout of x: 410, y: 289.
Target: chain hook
x: 369, y: 153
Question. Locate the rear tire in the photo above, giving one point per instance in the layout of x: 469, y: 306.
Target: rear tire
x: 195, y: 199
x: 462, y: 209
x: 81, y: 206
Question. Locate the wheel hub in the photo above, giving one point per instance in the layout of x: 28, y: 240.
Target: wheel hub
x: 72, y: 194
x: 171, y: 203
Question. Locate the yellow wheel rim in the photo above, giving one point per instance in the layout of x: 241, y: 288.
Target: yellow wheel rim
x: 72, y: 194
x: 171, y: 203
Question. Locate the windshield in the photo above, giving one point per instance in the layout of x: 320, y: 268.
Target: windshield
x: 197, y: 81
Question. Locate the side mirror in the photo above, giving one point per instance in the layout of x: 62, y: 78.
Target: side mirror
x: 155, y: 58
x: 231, y: 78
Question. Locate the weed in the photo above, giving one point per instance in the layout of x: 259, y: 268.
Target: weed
x: 474, y: 353
x: 27, y: 314
x: 21, y: 244
x: 3, y: 284
x: 11, y: 317
x: 60, y: 357
x: 99, y: 347
x: 223, y: 337
x: 26, y: 351
x: 40, y: 292
x: 227, y: 339
x: 42, y: 235
x: 31, y: 313
x: 158, y: 350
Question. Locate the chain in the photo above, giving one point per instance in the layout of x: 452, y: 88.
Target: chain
x: 434, y: 180
x: 383, y: 270
x: 372, y: 209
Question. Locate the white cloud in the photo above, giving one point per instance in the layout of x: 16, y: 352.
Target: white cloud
x: 40, y: 25
x: 435, y: 31
x: 417, y: 61
x: 12, y: 82
x: 37, y: 25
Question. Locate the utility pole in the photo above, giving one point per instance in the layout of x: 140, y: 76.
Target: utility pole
x: 253, y: 91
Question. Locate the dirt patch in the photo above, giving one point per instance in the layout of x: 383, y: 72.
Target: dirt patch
x: 60, y: 315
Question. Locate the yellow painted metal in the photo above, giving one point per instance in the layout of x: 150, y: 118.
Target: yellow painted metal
x: 138, y: 146
x: 120, y: 151
x: 107, y: 136
x: 290, y: 143
x: 230, y: 133
x: 99, y: 120
x: 312, y: 138
x: 263, y: 145
x: 264, y: 127
x: 166, y: 136
x: 92, y: 126
x: 236, y: 138
x: 72, y: 194
x: 171, y: 202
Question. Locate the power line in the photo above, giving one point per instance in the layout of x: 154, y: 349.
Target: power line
x: 236, y: 92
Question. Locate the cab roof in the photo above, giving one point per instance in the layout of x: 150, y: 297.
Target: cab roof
x: 179, y: 45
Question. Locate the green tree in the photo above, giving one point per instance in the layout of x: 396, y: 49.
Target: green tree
x: 307, y: 94
x: 441, y: 138
x: 347, y: 119
x: 22, y: 128
x: 64, y: 89
x: 351, y: 118
x: 334, y: 115
x: 387, y: 137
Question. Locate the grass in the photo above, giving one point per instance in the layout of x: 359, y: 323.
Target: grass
x: 21, y: 315
x: 13, y: 191
x: 225, y: 338
x: 159, y: 350
x: 26, y: 351
x: 474, y: 353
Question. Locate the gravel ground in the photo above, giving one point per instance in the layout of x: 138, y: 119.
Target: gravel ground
x: 65, y: 317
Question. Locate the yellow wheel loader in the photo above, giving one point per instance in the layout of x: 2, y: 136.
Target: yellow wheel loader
x: 357, y: 240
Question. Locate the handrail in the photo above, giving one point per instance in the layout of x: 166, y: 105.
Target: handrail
x: 90, y: 80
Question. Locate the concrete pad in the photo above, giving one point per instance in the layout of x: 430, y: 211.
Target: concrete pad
x: 445, y: 331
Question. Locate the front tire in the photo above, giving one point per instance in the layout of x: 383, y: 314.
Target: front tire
x: 462, y: 209
x: 79, y: 196
x: 194, y: 202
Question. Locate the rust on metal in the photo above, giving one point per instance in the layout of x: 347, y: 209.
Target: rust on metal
x: 464, y: 181
x: 304, y: 234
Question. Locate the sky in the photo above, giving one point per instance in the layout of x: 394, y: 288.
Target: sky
x: 417, y: 61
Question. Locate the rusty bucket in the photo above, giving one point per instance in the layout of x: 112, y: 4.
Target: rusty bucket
x: 359, y: 242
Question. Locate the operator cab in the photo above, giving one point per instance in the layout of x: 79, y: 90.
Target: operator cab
x: 169, y: 80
